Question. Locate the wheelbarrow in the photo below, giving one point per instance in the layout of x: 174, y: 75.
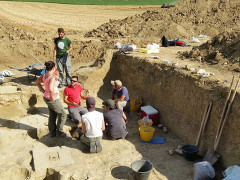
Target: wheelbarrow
x: 35, y: 72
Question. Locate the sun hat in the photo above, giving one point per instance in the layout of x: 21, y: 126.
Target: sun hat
x: 117, y: 83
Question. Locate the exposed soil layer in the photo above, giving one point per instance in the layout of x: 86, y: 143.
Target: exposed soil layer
x: 176, y: 90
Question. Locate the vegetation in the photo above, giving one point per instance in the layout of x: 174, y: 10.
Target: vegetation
x: 104, y: 2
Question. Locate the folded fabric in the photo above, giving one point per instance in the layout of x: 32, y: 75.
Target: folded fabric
x: 155, y: 140
x: 6, y: 73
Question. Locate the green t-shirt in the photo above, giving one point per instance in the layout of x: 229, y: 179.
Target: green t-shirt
x: 62, y: 46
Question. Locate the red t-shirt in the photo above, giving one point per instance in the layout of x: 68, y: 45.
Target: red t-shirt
x: 73, y: 94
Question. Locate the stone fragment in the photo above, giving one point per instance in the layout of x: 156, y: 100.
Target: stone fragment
x: 171, y: 152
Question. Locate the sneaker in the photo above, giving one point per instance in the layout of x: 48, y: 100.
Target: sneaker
x: 99, y: 146
x: 61, y: 134
x: 92, y: 147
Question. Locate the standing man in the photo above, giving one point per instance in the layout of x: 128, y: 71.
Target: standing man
x: 115, y: 121
x: 62, y: 48
x: 71, y: 96
x: 92, y: 127
x: 122, y: 94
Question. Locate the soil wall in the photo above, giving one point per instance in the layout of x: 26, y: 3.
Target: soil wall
x: 181, y: 100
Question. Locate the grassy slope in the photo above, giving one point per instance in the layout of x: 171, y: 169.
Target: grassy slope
x: 104, y: 2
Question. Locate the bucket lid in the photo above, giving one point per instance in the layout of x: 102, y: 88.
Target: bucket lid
x: 149, y: 110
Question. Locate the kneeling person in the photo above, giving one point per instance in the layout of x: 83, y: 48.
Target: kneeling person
x: 92, y: 127
x: 115, y: 121
x: 71, y: 95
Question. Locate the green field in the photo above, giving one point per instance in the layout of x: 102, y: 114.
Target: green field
x: 104, y: 2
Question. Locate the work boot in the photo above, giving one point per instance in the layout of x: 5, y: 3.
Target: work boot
x: 52, y: 134
x: 92, y: 147
x: 99, y: 146
x: 61, y: 134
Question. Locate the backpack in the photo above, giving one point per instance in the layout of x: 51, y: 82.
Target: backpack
x: 178, y: 42
x: 165, y: 42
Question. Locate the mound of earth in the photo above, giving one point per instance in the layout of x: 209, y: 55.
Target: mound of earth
x: 184, y: 20
x: 222, y: 50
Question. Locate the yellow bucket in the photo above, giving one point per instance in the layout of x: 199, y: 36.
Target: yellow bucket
x: 146, y: 133
x: 135, y: 104
x: 149, y: 124
x: 143, y: 50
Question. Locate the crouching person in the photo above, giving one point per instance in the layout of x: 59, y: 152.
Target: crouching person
x: 122, y: 101
x: 115, y: 121
x: 92, y: 126
x: 71, y: 95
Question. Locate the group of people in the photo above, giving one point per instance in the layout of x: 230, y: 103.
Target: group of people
x: 93, y: 123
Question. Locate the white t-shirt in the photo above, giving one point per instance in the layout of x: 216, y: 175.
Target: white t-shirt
x: 93, y: 122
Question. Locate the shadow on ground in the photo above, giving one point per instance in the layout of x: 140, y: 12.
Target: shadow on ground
x: 47, y: 140
x: 25, y: 80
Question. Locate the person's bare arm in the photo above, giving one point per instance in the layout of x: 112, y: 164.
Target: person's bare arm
x: 103, y: 125
x: 54, y: 53
x: 124, y: 116
x: 65, y: 99
x: 70, y: 48
x: 83, y: 96
x: 119, y: 99
x: 39, y: 85
x: 112, y: 96
x: 83, y: 127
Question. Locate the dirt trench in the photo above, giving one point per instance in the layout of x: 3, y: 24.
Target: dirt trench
x: 181, y: 100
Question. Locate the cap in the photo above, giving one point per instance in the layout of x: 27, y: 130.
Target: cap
x: 109, y: 102
x: 90, y: 102
x: 117, y: 83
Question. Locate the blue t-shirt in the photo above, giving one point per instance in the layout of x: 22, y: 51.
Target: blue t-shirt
x: 123, y: 91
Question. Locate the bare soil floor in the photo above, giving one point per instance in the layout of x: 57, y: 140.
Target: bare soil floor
x: 26, y: 151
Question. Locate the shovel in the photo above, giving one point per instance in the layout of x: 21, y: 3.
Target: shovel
x: 211, y: 156
x: 204, y: 122
x: 45, y: 66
